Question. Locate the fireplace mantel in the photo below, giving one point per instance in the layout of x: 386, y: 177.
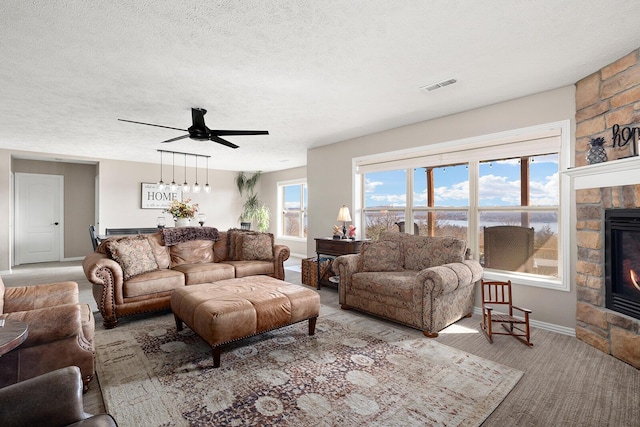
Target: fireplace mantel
x: 608, y: 174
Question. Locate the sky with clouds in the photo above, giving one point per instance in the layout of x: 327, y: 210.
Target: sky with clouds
x: 499, y: 185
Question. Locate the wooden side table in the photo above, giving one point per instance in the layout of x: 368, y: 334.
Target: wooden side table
x: 12, y: 334
x: 334, y: 248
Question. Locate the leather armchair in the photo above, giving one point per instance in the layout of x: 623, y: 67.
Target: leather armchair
x: 52, y: 399
x: 60, y: 331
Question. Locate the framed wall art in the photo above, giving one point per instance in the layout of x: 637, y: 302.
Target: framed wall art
x: 154, y: 198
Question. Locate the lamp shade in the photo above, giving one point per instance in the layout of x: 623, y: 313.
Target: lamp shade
x: 343, y: 214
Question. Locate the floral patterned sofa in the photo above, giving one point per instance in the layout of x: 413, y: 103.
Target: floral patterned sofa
x: 423, y: 282
x: 137, y: 274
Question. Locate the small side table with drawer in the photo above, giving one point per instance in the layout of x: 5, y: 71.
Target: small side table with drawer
x: 334, y: 247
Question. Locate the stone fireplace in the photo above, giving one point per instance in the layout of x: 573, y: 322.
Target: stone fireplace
x: 608, y: 97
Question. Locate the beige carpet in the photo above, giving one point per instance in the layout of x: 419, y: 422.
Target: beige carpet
x: 346, y: 374
x: 566, y: 382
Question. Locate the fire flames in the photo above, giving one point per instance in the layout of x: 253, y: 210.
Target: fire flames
x: 634, y: 279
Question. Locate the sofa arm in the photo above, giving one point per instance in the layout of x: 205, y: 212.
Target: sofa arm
x: 281, y: 253
x: 345, y: 266
x: 107, y: 278
x: 25, y: 298
x: 447, y: 278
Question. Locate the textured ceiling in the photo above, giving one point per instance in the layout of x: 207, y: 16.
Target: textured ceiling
x: 311, y: 72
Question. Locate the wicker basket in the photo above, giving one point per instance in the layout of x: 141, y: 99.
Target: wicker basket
x: 310, y: 271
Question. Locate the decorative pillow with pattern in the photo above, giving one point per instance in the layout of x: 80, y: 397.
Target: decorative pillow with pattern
x: 381, y: 256
x: 234, y: 243
x: 160, y: 251
x: 257, y: 247
x: 134, y: 254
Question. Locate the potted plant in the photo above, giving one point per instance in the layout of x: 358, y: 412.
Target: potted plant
x: 182, y: 212
x: 253, y: 210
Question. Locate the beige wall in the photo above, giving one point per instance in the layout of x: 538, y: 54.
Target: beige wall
x: 329, y: 173
x: 119, y: 199
x: 268, y: 192
x: 120, y: 193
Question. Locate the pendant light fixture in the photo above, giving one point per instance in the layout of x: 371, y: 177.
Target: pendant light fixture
x: 161, y: 184
x: 196, y: 186
x: 185, y: 187
x: 207, y: 188
x: 174, y: 186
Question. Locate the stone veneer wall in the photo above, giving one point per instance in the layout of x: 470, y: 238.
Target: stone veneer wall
x: 607, y: 97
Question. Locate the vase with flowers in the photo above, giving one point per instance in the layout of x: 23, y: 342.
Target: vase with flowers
x: 182, y: 212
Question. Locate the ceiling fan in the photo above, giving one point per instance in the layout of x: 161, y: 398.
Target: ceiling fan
x: 200, y: 132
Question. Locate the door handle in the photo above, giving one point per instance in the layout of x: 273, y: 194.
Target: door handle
x: 55, y: 223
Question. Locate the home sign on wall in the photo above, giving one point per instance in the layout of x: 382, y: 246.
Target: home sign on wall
x: 154, y: 198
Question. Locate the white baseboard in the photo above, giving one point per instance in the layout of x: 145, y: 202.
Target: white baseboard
x: 540, y: 325
x: 303, y: 256
x: 77, y: 258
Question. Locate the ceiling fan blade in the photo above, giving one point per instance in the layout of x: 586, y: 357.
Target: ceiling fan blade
x: 150, y: 124
x: 223, y: 141
x: 176, y: 139
x: 197, y: 115
x: 239, y: 132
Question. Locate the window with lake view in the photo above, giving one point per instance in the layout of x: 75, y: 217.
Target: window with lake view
x: 514, y: 188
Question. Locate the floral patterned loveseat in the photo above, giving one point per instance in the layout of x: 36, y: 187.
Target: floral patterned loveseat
x: 423, y: 282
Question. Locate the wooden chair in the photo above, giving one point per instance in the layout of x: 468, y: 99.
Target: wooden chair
x: 400, y: 224
x: 95, y: 241
x: 499, y: 293
x: 509, y: 247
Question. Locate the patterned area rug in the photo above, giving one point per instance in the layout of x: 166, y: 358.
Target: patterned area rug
x: 346, y: 374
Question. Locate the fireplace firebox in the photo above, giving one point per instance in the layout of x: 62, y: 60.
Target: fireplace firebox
x: 622, y: 261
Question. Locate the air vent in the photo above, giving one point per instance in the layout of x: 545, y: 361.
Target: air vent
x: 438, y: 85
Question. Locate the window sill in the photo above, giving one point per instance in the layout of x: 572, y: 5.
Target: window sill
x: 527, y: 279
x: 292, y: 239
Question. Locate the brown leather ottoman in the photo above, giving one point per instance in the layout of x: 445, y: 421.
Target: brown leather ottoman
x: 233, y: 309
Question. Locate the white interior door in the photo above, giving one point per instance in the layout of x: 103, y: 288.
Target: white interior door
x: 38, y: 217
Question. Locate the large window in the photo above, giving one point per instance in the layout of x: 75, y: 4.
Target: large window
x: 292, y: 199
x: 521, y: 192
x: 512, y: 184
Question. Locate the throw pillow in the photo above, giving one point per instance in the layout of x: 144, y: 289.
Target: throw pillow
x: 381, y: 256
x: 423, y: 252
x: 234, y: 242
x: 160, y: 251
x: 257, y: 247
x: 134, y: 254
x: 235, y: 238
x: 221, y: 248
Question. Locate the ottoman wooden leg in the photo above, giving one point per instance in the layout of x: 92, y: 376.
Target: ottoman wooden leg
x: 312, y: 325
x: 216, y: 356
x: 178, y: 322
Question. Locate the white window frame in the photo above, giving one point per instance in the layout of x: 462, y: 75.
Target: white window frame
x: 302, y: 182
x: 472, y: 151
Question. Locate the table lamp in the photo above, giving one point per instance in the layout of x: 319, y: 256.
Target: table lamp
x: 344, y: 216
